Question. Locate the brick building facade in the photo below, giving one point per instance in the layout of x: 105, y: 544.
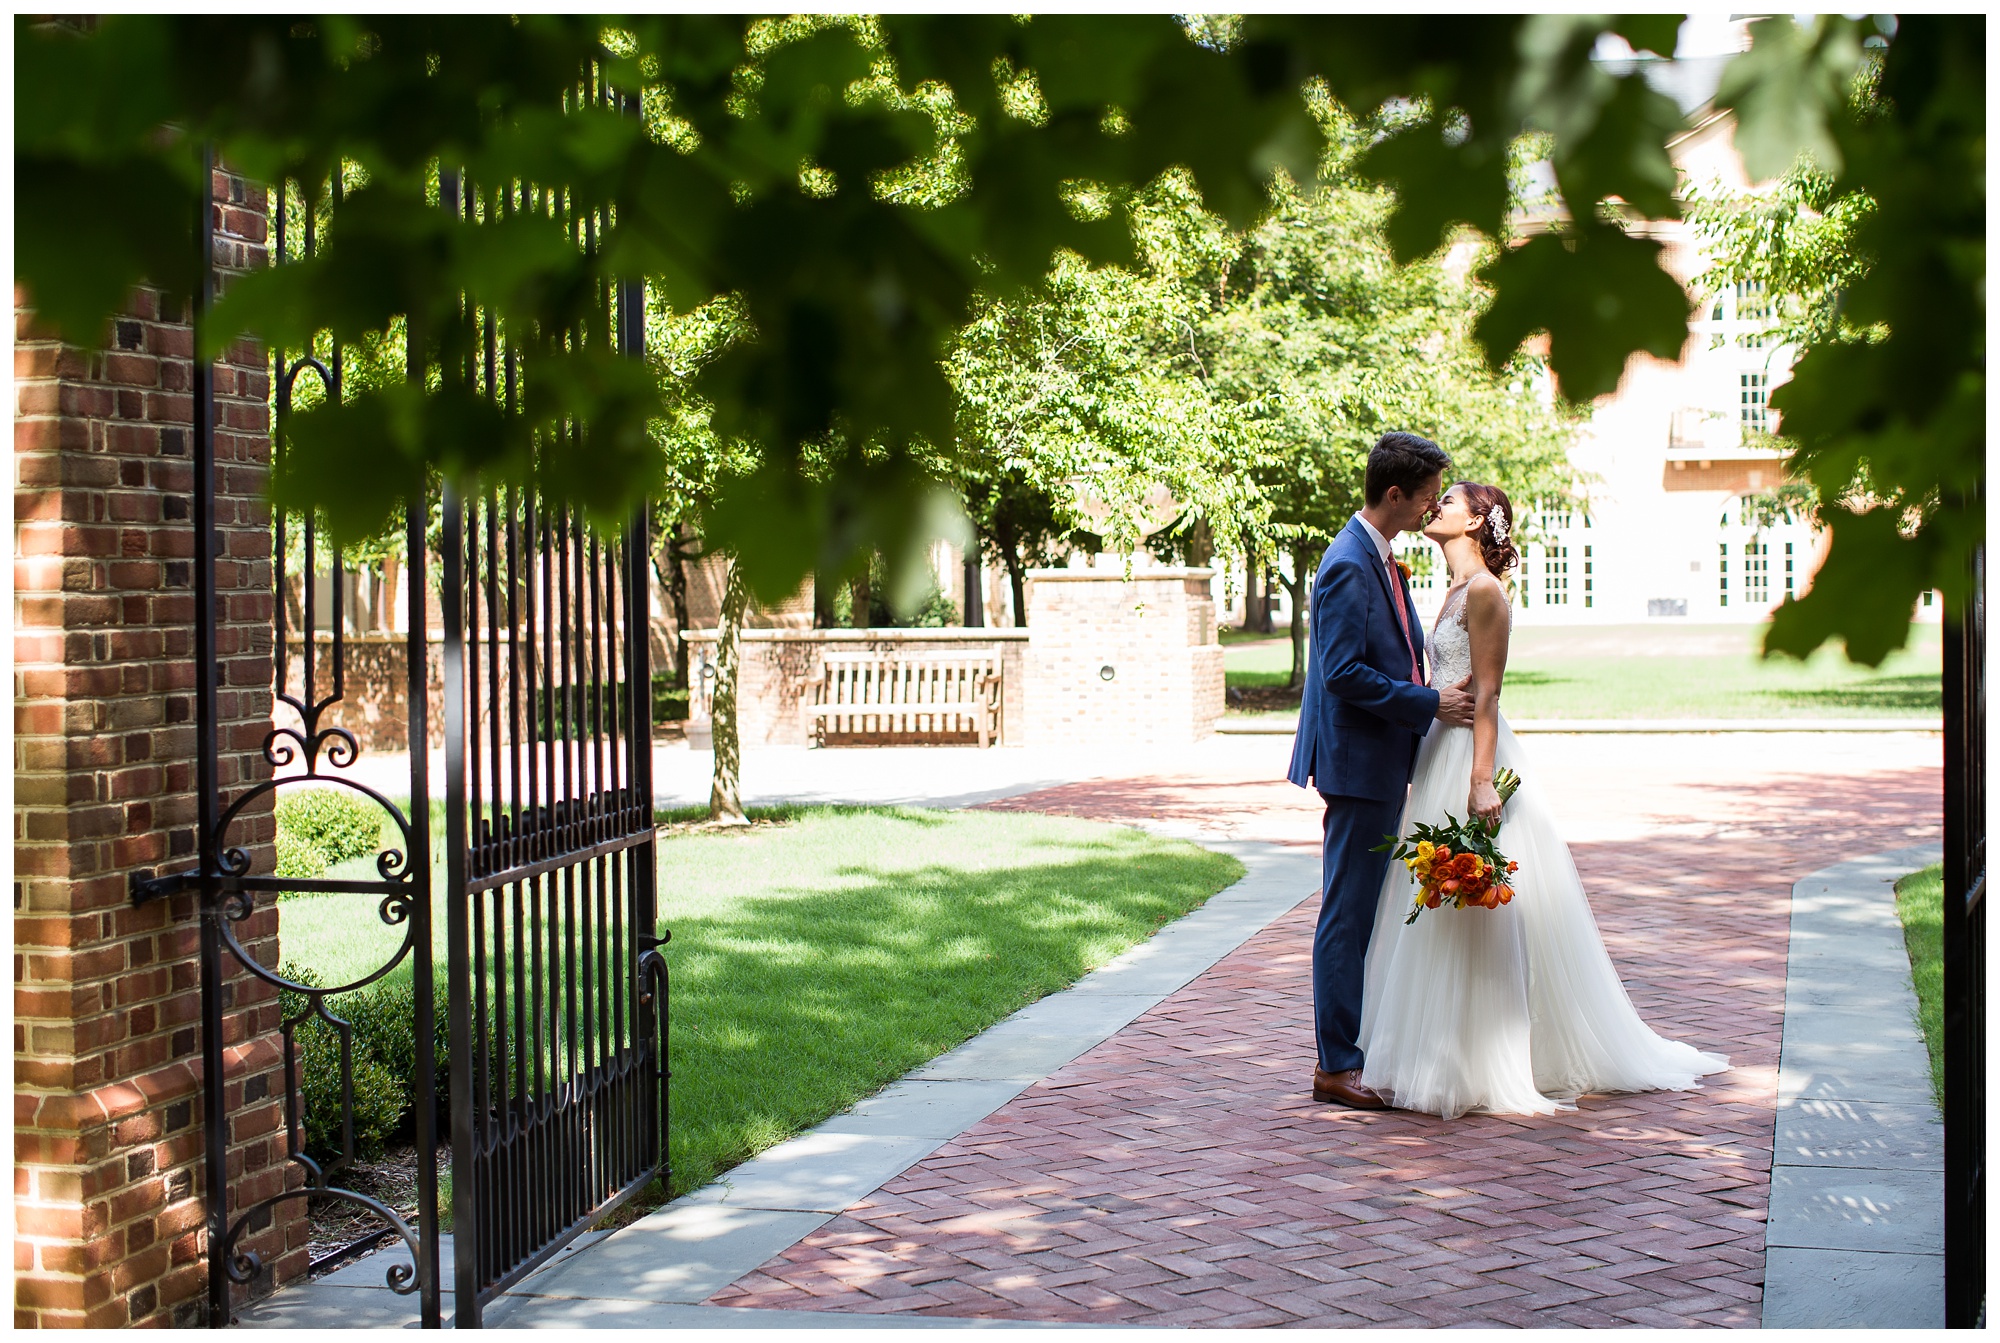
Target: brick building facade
x: 108, y: 1145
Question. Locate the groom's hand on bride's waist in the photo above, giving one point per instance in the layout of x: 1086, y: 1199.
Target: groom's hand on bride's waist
x: 1455, y: 704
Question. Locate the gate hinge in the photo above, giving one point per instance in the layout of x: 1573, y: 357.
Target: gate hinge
x: 146, y: 886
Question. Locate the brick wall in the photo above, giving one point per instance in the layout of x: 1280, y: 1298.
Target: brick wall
x: 108, y: 1140
x: 375, y: 685
x: 1156, y: 634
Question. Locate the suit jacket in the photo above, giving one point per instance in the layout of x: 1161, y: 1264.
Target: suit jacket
x: 1361, y: 718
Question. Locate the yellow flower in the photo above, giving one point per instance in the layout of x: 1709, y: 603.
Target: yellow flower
x: 1425, y: 850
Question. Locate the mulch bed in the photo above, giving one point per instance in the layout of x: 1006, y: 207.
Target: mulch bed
x: 390, y: 1179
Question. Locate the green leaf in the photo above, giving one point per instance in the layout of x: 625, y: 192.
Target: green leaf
x: 1863, y: 593
x: 1786, y: 89
x: 1601, y: 296
x: 1624, y: 153
x: 84, y: 234
x: 1437, y: 185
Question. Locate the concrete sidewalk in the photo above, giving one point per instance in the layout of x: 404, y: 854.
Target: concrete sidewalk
x: 1856, y: 1234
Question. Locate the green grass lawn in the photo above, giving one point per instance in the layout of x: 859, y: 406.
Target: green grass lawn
x: 817, y: 960
x: 1920, y: 904
x: 1699, y: 671
x: 824, y: 952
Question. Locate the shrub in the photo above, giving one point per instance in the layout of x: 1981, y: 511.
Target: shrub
x: 385, y: 1020
x: 380, y: 1096
x: 670, y: 702
x: 937, y: 612
x: 298, y: 857
x: 340, y: 824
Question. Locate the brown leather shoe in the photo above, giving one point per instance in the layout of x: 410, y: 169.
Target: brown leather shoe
x: 1344, y: 1088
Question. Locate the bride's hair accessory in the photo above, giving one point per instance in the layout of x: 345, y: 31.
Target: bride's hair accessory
x: 1490, y: 503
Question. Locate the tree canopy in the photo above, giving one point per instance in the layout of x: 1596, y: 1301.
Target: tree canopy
x: 778, y: 175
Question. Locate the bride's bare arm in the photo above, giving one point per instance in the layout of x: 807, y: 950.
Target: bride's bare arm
x: 1486, y: 622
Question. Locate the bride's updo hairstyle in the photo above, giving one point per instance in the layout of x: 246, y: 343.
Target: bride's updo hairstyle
x: 1496, y: 543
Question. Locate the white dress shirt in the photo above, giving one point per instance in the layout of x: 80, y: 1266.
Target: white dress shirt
x: 1381, y: 542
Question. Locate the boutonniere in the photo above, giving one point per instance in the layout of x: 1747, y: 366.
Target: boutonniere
x: 1407, y: 572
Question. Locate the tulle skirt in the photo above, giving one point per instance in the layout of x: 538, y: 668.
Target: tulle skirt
x: 1512, y: 1010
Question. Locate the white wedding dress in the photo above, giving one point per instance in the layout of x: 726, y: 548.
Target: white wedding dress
x: 1511, y: 1010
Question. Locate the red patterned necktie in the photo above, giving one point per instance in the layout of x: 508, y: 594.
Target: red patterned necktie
x: 1403, y: 619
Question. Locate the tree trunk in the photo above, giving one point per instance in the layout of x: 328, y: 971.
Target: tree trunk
x: 725, y: 801
x: 677, y: 593
x: 1299, y: 585
x: 1017, y: 579
x: 861, y: 596
x: 1252, y: 594
x: 1200, y: 545
x: 972, y: 613
x: 823, y: 586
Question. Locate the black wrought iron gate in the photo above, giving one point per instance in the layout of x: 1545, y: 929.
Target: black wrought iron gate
x: 556, y: 991
x: 1964, y: 941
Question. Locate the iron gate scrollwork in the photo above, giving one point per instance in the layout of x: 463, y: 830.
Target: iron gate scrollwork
x: 556, y: 988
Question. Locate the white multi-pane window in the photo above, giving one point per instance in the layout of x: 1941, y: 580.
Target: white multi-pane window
x: 1554, y: 562
x: 1722, y: 574
x: 1754, y: 401
x: 1756, y: 572
x: 1791, y: 580
x: 1555, y: 575
x: 1753, y: 301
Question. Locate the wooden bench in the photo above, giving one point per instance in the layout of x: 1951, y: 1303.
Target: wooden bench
x: 906, y: 698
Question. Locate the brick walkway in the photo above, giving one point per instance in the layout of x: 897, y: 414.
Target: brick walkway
x: 1177, y: 1174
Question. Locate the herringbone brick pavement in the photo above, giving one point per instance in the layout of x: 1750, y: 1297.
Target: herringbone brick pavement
x: 1179, y: 1175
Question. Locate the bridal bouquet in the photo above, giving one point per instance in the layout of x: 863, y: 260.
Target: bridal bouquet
x: 1456, y: 863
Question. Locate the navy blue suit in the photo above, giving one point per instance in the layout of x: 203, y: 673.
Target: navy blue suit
x: 1360, y: 724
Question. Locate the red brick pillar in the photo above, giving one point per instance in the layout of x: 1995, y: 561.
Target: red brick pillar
x: 108, y: 1171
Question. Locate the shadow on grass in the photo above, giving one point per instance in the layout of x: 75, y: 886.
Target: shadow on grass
x: 792, y: 1005
x: 1883, y: 694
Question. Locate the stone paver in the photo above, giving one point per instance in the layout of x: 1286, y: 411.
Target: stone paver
x: 1855, y: 1236
x: 1177, y: 1175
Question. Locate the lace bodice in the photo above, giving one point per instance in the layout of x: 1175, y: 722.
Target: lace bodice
x: 1451, y: 642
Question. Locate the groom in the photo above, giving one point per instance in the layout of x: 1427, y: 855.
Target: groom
x: 1365, y: 711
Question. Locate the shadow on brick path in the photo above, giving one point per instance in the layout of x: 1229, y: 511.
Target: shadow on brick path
x: 1178, y: 1175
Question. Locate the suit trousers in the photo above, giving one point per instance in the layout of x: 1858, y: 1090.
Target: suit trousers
x: 1350, y: 886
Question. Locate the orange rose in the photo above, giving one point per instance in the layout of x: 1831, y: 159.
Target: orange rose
x: 1513, y: 867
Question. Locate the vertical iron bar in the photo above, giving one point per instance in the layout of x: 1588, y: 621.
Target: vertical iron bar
x: 1964, y: 939
x: 461, y: 988
x: 598, y: 667
x: 215, y: 1118
x: 567, y: 790
x: 281, y: 413
x: 474, y: 766
x: 423, y: 970
x: 495, y: 857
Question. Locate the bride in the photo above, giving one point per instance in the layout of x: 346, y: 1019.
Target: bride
x: 1516, y: 1009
